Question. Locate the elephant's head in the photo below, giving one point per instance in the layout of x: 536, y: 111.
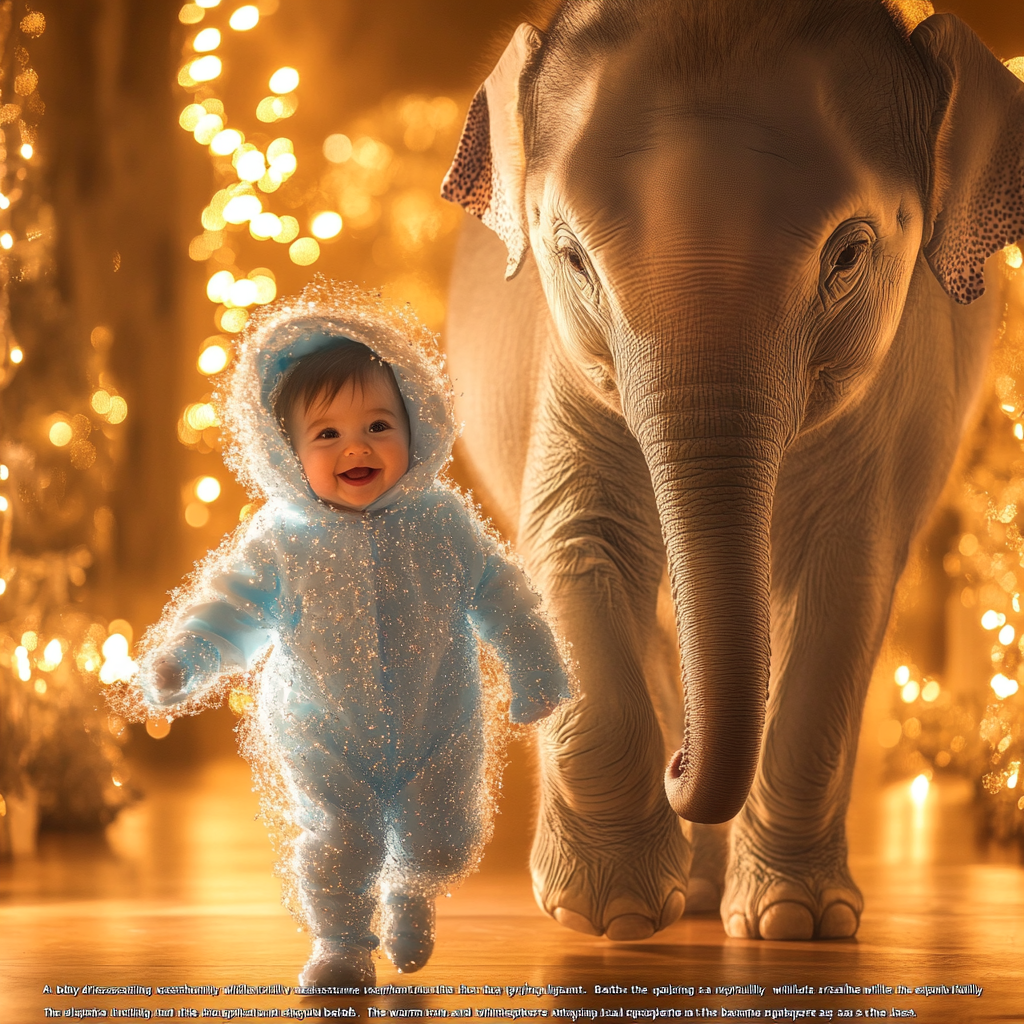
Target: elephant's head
x: 726, y: 202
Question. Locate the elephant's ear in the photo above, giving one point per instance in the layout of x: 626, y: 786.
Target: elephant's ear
x: 977, y: 190
x: 486, y: 177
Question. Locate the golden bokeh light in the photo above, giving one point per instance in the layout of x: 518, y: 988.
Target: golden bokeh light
x: 197, y: 515
x: 60, y: 433
x: 4, y: 201
x: 207, y: 489
x: 206, y: 40
x: 205, y: 69
x: 17, y: 355
x: 284, y: 164
x: 191, y: 14
x: 233, y: 320
x: 208, y: 128
x: 266, y: 288
x: 4, y: 472
x: 118, y: 410
x: 158, y: 728
x: 289, y: 230
x: 212, y: 359
x: 224, y: 143
x: 6, y: 240
x: 208, y: 3
x: 284, y: 80
x: 251, y: 166
x: 4, y: 504
x: 243, y: 293
x: 201, y: 415
x: 326, y: 224
x: 245, y: 18
x: 190, y: 116
x: 304, y: 251
x: 1013, y: 257
x: 276, y: 108
x: 27, y: 150
x: 219, y: 285
x: 100, y: 401
x: 278, y: 147
x: 241, y: 208
x: 337, y: 148
x: 265, y: 225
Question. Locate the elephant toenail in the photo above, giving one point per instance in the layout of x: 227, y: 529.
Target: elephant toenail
x: 629, y: 928
x: 577, y: 922
x: 787, y: 921
x: 673, y: 909
x: 839, y: 921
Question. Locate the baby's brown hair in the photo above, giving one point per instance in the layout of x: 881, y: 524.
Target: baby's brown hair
x: 315, y: 379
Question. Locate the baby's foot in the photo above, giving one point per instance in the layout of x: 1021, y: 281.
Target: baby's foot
x: 408, y: 928
x: 336, y: 963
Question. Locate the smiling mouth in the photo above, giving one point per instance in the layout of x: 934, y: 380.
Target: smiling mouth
x: 358, y: 476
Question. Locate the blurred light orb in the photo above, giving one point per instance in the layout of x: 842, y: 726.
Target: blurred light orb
x: 189, y: 117
x: 326, y: 224
x: 284, y: 80
x: 919, y: 789
x: 243, y: 293
x: 274, y: 108
x: 279, y: 146
x: 197, y: 515
x: 207, y: 489
x: 208, y: 128
x: 242, y: 208
x: 284, y: 164
x: 1013, y: 256
x: 212, y: 359
x: 902, y: 675
x: 201, y: 415
x: 17, y: 355
x: 158, y: 728
x: 304, y: 251
x: 226, y: 142
x: 991, y: 619
x: 100, y: 402
x: 27, y: 151
x: 60, y: 433
x: 910, y: 692
x: 206, y: 40
x: 118, y: 410
x: 115, y: 646
x: 53, y: 652
x: 930, y: 691
x: 205, y: 69
x: 266, y: 286
x: 251, y: 166
x: 337, y: 148
x: 6, y: 240
x: 4, y: 472
x: 265, y: 225
x: 1002, y: 686
x: 4, y: 504
x: 245, y: 18
x: 4, y: 201
x: 1006, y: 635
x: 289, y: 230
x: 39, y: 686
x: 3, y: 586
x: 191, y: 14
x: 219, y: 286
x: 233, y: 320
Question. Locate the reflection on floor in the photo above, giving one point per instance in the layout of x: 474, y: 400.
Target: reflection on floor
x: 181, y: 892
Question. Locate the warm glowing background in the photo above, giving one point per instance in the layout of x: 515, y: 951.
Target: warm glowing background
x: 192, y: 162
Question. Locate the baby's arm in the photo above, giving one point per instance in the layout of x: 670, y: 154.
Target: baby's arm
x: 506, y: 614
x: 214, y: 636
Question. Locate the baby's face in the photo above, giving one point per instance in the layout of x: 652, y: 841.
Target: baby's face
x: 355, y: 447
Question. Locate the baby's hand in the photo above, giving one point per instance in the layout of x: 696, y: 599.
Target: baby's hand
x: 170, y: 681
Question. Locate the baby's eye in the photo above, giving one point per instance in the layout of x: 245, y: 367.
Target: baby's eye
x: 327, y: 433
x: 379, y: 425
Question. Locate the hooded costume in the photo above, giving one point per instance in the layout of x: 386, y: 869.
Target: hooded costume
x: 365, y: 628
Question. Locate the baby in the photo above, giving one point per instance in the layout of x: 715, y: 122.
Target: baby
x: 360, y: 589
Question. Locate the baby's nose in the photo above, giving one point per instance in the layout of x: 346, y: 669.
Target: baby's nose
x: 357, y: 448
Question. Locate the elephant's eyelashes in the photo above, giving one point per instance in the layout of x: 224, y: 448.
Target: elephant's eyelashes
x: 577, y: 263
x: 848, y: 257
x: 843, y: 261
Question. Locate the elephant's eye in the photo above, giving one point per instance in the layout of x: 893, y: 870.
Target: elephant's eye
x: 844, y: 261
x: 577, y: 263
x: 849, y: 256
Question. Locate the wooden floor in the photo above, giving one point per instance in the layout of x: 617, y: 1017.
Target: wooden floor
x: 181, y: 892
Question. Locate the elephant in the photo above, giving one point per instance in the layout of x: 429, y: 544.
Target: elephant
x: 715, y: 327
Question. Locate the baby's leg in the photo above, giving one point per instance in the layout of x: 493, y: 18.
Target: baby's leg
x: 338, y: 860
x: 435, y: 830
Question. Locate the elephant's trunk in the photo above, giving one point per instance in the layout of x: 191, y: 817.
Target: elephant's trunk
x: 713, y: 461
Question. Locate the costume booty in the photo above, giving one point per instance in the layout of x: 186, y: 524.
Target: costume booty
x: 408, y: 927
x: 336, y: 962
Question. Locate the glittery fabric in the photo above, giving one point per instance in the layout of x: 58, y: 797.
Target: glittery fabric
x: 368, y: 704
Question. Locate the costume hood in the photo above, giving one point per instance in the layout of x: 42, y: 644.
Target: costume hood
x: 327, y: 314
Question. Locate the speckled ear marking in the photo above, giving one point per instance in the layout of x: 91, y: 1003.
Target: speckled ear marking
x: 486, y: 176
x: 977, y: 200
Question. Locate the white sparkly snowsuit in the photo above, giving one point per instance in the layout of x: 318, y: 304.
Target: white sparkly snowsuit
x: 372, y: 688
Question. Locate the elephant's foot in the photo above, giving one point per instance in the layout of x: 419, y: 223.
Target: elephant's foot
x: 624, y: 882
x: 796, y: 900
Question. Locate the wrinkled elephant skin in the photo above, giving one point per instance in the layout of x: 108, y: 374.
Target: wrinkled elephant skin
x: 745, y: 243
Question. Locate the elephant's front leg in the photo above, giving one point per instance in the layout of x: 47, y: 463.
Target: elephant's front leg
x: 609, y: 857
x: 788, y: 876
